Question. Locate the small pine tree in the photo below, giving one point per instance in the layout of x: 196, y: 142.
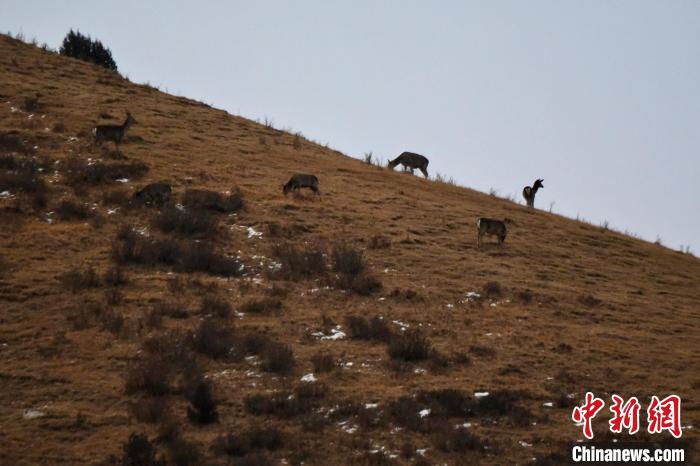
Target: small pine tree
x: 79, y: 46
x: 203, y: 409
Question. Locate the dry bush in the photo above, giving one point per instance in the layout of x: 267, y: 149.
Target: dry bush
x: 59, y: 127
x: 323, y: 362
x: 214, y: 339
x: 77, y: 171
x: 115, y: 276
x: 482, y: 351
x: 460, y: 440
x: 245, y: 442
x: 216, y: 306
x: 31, y: 104
x: 524, y: 296
x: 116, y: 196
x: 70, y: 210
x: 492, y: 290
x: 262, y: 306
x: 202, y: 409
x: 12, y: 142
x: 171, y: 308
x: 184, y: 256
x: 22, y: 180
x: 279, y: 404
x: 186, y: 222
x: 202, y: 199
x: 138, y: 451
x: 380, y: 242
x: 352, y: 272
x: 297, y: 263
x: 183, y: 453
x: 113, y: 297
x: 589, y: 300
x: 277, y: 358
x: 76, y: 279
x: 361, y: 328
x: 409, y: 346
x: 151, y: 375
x: 149, y: 410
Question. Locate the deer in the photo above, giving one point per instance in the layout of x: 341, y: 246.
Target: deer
x: 113, y: 133
x: 300, y: 180
x: 411, y: 161
x: 157, y: 194
x: 490, y: 226
x: 529, y: 192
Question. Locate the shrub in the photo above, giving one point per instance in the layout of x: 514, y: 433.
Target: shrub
x: 361, y: 328
x: 12, y: 142
x: 138, y: 451
x: 211, y: 200
x: 460, y: 440
x: 115, y: 276
x: 214, y: 339
x: 186, y: 222
x: 184, y: 256
x: 77, y: 45
x: 299, y: 263
x: 279, y: 404
x: 262, y: 306
x: 492, y: 290
x: 347, y: 260
x: 151, y: 375
x: 31, y: 103
x: 71, y: 210
x: 380, y: 242
x: 245, y: 442
x: 76, y: 280
x: 589, y: 300
x: 323, y: 362
x: 410, y: 345
x: 203, y: 407
x: 351, y: 268
x: 22, y: 180
x: 149, y: 410
x: 78, y: 171
x: 216, y: 306
x: 182, y: 452
x: 277, y: 358
x: 59, y: 127
x: 113, y: 296
x: 117, y: 196
x: 482, y: 351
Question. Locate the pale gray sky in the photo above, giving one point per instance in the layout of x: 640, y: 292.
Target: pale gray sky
x: 599, y: 98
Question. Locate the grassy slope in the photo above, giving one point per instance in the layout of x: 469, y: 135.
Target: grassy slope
x: 641, y: 339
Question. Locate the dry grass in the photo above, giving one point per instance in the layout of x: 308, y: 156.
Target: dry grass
x: 571, y: 296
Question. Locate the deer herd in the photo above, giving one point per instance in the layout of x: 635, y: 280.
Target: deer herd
x: 159, y: 193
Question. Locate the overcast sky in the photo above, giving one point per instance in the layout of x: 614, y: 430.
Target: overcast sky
x: 599, y: 98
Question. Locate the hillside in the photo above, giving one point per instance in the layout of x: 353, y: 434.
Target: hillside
x: 561, y: 308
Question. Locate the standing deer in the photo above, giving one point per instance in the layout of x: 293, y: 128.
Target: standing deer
x: 299, y: 180
x: 489, y: 226
x: 411, y: 161
x: 113, y: 133
x: 529, y: 192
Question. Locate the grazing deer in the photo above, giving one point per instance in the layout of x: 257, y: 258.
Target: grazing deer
x: 113, y: 133
x: 411, y: 161
x: 529, y: 192
x: 154, y: 194
x: 299, y: 181
x: 489, y: 226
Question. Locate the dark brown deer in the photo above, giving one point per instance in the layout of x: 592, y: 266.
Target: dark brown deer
x: 411, y: 161
x: 490, y: 226
x: 113, y: 133
x: 300, y: 180
x: 529, y: 192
